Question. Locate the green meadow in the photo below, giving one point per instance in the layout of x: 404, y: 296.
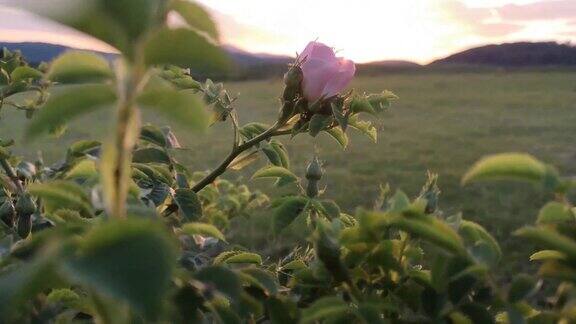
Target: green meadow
x: 443, y: 122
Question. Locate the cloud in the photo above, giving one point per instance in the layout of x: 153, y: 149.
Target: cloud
x: 495, y: 29
x: 233, y: 31
x: 506, y: 20
x: 483, y: 22
x: 542, y: 10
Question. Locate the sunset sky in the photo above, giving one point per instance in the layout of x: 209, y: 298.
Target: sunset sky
x: 364, y: 30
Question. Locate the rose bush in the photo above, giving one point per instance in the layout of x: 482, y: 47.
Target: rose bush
x: 120, y: 231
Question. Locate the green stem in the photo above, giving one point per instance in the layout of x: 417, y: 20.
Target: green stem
x: 124, y: 140
x: 237, y: 150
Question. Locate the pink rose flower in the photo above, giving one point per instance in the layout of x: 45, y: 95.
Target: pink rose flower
x: 325, y: 75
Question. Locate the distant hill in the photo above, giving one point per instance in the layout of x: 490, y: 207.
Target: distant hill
x: 36, y: 53
x: 522, y: 54
x: 248, y: 65
x: 380, y: 67
x: 259, y: 66
x: 245, y: 58
x: 256, y: 65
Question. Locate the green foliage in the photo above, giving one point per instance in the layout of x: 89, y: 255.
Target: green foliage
x: 71, y: 103
x: 16, y: 78
x: 62, y: 195
x: 181, y: 107
x: 286, y: 212
x: 78, y: 67
x: 283, y: 175
x: 203, y: 229
x: 188, y: 203
x: 23, y: 73
x: 195, y: 16
x: 184, y: 47
x: 507, y: 166
x: 123, y: 232
x: 115, y: 259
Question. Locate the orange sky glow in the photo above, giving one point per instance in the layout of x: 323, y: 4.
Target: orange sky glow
x: 363, y: 30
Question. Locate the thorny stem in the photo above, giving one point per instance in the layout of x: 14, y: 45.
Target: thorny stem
x: 273, y: 131
x: 237, y: 150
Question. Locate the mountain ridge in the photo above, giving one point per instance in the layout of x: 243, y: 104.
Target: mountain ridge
x: 517, y: 54
x: 250, y: 65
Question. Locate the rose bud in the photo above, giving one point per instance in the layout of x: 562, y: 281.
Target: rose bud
x: 314, y: 173
x: 325, y: 75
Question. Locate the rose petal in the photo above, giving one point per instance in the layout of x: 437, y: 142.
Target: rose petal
x: 340, y: 79
x: 318, y: 51
x: 317, y: 74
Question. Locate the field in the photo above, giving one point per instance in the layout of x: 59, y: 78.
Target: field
x: 443, y: 122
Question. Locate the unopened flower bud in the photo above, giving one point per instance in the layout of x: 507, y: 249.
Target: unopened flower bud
x: 8, y: 212
x: 293, y: 77
x: 314, y: 170
x: 293, y: 81
x: 24, y: 225
x: 313, y: 175
x: 25, y: 205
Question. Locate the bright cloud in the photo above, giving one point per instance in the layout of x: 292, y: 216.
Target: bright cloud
x: 364, y: 30
x: 419, y: 30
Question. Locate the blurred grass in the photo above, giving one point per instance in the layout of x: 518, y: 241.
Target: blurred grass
x: 443, y: 122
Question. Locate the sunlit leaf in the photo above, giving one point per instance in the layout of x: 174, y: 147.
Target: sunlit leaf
x: 203, y: 229
x: 264, y: 279
x: 474, y: 233
x: 243, y: 160
x: 183, y: 108
x: 515, y: 166
x: 339, y: 136
x: 116, y: 22
x: 549, y: 239
x: 151, y: 155
x: 237, y: 257
x: 432, y: 229
x: 130, y: 260
x: 153, y: 135
x: 324, y: 309
x: 364, y: 126
x: 275, y: 172
x: 196, y: 16
x: 547, y: 255
x: 78, y: 66
x: 287, y: 212
x: 555, y: 212
x: 22, y: 73
x: 185, y: 48
x: 62, y: 194
x: 83, y: 170
x: 360, y: 104
x: 69, y: 103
